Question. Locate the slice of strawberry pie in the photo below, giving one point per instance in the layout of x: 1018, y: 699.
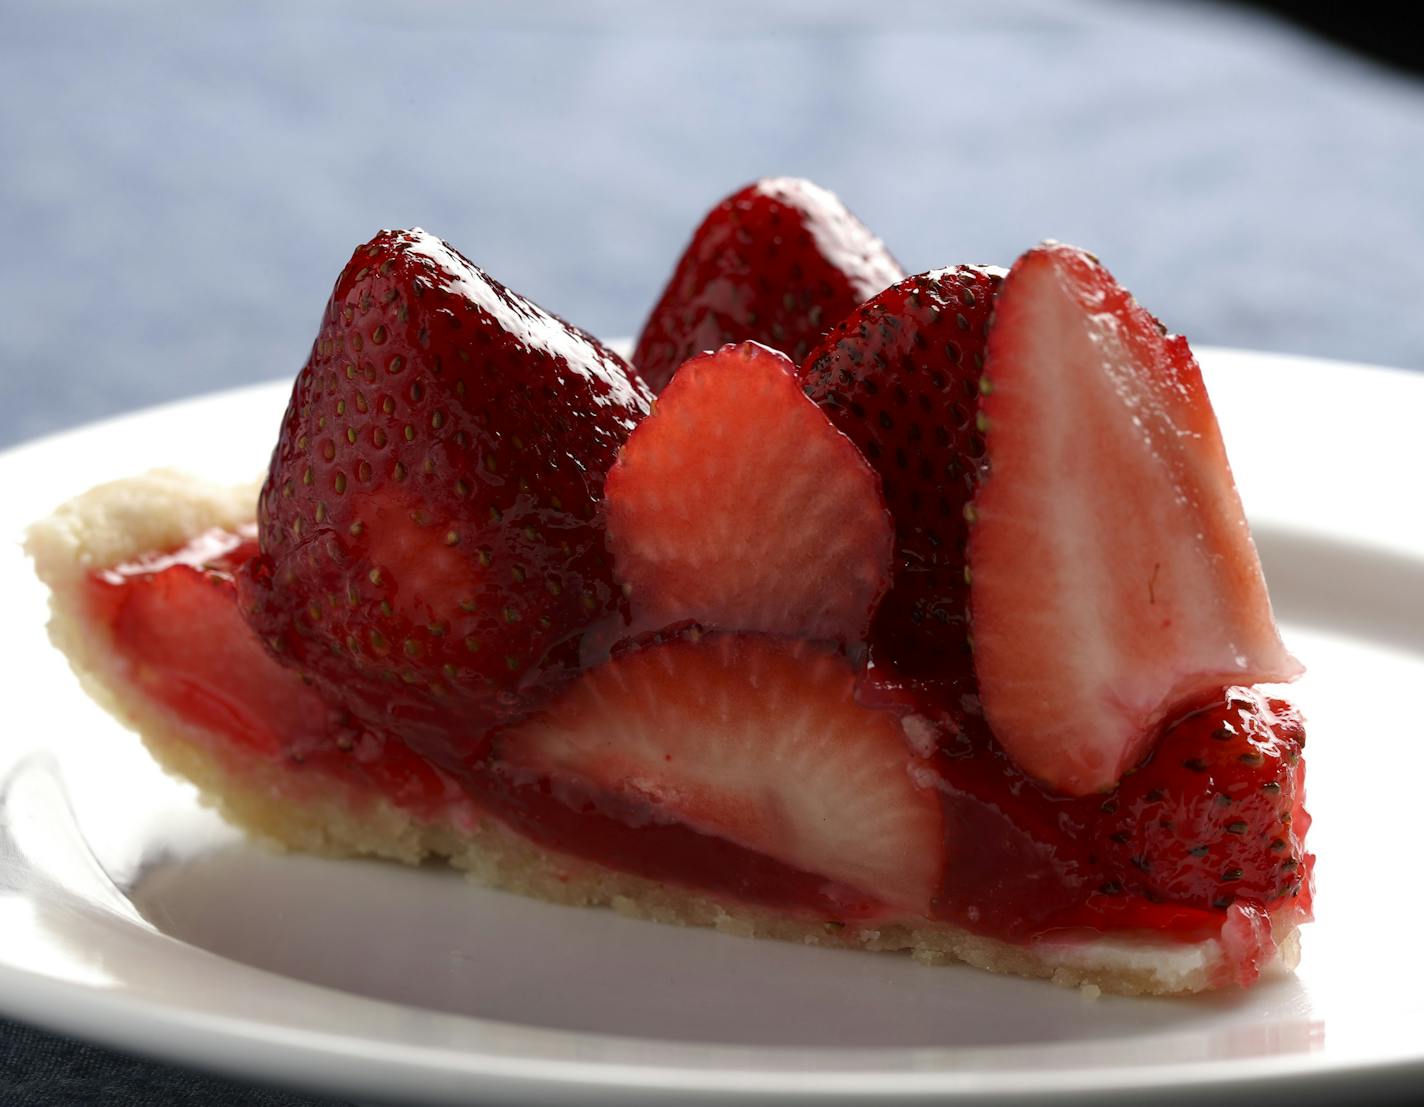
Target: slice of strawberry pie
x: 711, y: 663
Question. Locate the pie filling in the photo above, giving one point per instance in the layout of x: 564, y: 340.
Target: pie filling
x: 1019, y: 862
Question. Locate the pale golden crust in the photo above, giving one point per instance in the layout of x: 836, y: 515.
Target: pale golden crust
x: 120, y: 521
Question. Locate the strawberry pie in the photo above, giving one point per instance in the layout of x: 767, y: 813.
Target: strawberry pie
x: 894, y: 612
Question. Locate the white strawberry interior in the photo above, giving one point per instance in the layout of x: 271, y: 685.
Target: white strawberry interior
x: 737, y: 504
x: 1114, y: 577
x: 758, y: 742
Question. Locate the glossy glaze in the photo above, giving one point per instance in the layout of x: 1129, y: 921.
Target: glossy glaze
x: 1020, y: 861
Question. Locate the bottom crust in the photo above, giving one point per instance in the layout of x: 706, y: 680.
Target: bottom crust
x: 121, y: 521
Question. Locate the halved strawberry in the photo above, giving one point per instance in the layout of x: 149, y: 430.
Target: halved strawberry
x: 756, y: 741
x: 777, y: 262
x: 431, y: 522
x: 900, y: 376
x: 737, y: 505
x: 1114, y: 577
x: 1216, y: 814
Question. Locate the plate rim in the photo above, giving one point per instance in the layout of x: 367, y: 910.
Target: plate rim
x: 69, y: 1008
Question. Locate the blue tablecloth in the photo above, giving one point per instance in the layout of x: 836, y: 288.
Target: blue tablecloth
x: 180, y: 183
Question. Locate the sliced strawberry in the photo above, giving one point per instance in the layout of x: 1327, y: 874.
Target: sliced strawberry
x: 173, y: 623
x: 778, y: 262
x: 737, y: 504
x: 1216, y: 814
x: 434, y: 551
x: 900, y: 376
x: 179, y: 633
x: 1114, y: 577
x: 756, y: 741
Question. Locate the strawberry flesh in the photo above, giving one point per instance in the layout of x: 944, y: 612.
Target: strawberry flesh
x: 778, y: 262
x: 433, y: 549
x: 900, y: 376
x: 755, y: 741
x: 1114, y: 577
x: 738, y: 505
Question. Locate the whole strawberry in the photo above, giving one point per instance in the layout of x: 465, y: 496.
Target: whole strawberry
x: 900, y: 377
x: 778, y: 263
x: 431, y: 530
x: 1216, y: 812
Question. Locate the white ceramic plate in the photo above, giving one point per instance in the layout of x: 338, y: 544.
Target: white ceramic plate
x: 131, y: 916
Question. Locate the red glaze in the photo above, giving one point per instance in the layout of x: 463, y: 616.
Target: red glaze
x: 1020, y: 860
x: 778, y: 262
x: 599, y: 828
x: 177, y: 629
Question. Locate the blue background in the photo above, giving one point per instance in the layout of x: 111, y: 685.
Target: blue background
x: 180, y: 184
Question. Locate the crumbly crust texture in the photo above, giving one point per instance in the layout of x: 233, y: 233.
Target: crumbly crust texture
x: 118, y: 522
